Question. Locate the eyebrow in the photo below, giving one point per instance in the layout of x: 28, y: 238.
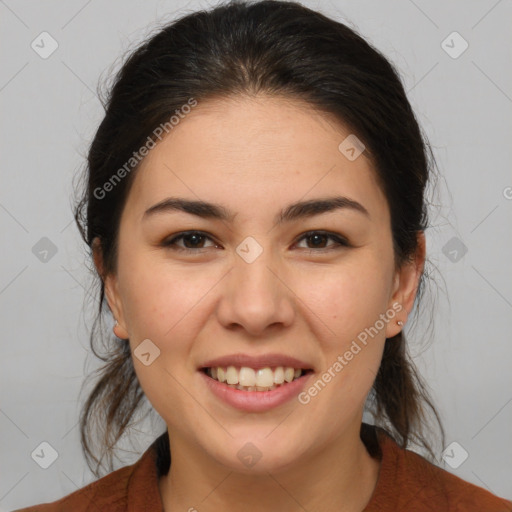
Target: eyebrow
x: 294, y: 211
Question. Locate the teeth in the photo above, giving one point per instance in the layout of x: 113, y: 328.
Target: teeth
x: 249, y: 379
x: 231, y: 375
x: 279, y: 375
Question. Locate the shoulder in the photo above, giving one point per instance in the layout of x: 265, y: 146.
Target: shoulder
x: 133, y: 487
x: 107, y: 493
x: 433, y: 483
x: 414, y: 483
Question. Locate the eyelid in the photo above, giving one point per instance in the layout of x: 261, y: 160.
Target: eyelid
x: 340, y: 240
x: 170, y: 243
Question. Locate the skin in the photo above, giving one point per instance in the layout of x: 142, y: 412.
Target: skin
x: 255, y: 156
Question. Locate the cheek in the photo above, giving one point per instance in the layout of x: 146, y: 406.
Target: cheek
x: 164, y: 305
x: 348, y: 298
x: 158, y: 297
x: 347, y: 303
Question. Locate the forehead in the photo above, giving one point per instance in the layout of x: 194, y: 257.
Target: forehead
x: 251, y: 154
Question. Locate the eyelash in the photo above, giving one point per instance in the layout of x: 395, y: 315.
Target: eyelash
x: 171, y: 243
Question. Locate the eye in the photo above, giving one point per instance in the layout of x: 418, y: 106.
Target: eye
x: 194, y: 241
x: 318, y: 238
x: 192, y: 238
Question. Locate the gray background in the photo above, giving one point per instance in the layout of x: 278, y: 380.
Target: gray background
x: 49, y: 114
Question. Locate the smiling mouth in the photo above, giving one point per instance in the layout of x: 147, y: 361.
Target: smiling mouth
x: 249, y: 379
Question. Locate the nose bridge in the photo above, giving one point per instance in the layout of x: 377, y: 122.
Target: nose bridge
x: 253, y: 279
x: 256, y: 297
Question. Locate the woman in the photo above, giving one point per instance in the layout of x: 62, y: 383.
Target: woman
x: 256, y: 213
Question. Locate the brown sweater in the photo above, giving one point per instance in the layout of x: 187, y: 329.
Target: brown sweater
x: 407, y: 482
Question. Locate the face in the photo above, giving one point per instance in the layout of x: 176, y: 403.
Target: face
x: 248, y: 284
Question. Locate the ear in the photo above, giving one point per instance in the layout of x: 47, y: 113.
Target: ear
x: 406, y: 282
x: 111, y: 290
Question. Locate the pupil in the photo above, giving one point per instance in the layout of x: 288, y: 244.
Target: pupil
x: 193, y: 236
x: 316, y: 238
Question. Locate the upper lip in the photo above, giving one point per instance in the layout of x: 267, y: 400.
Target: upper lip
x: 262, y: 361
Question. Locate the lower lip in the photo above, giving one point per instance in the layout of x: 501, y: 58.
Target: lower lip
x: 255, y: 401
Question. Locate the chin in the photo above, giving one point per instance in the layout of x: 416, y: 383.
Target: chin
x: 258, y: 455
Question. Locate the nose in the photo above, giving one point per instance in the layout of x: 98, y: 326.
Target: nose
x: 256, y: 297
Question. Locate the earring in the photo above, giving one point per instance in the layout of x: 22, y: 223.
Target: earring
x: 114, y: 329
x: 400, y: 323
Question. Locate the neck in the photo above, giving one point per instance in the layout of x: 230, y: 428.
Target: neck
x: 340, y: 477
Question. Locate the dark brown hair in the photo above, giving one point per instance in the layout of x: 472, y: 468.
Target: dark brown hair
x: 274, y: 48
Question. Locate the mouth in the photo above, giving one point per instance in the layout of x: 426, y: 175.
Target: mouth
x: 244, y: 378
